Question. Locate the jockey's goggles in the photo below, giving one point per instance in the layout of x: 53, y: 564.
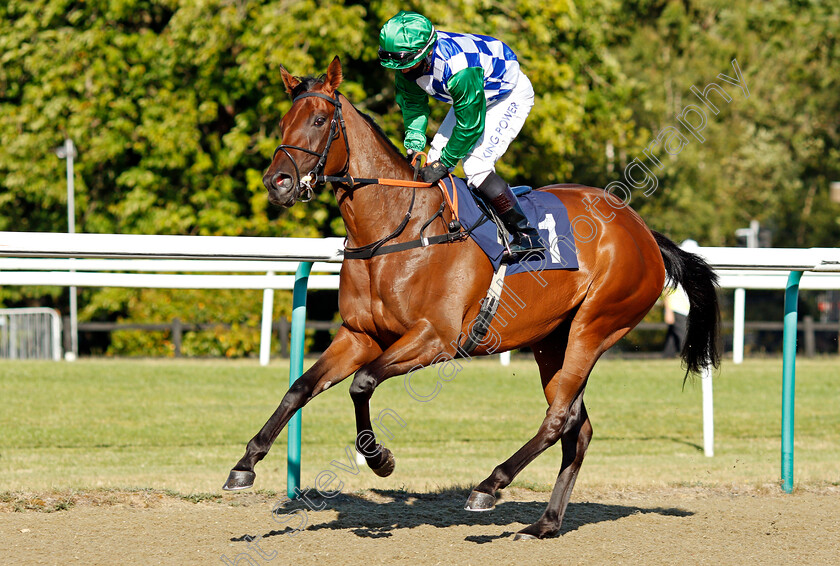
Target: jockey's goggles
x: 400, y: 57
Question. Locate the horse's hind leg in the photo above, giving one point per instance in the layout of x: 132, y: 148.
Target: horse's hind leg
x: 575, y: 441
x: 564, y: 368
x: 564, y: 416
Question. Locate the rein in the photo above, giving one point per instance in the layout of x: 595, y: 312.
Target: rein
x: 315, y: 178
x: 354, y: 183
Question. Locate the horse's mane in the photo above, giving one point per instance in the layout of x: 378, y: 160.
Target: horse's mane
x: 308, y: 83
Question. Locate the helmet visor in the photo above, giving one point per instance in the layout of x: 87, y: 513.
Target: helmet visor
x: 397, y: 58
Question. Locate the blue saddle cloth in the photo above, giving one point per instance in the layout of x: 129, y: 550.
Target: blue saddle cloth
x: 544, y: 211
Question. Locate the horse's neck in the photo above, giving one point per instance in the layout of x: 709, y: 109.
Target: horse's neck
x: 372, y: 212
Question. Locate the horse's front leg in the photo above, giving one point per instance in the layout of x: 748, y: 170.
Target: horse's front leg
x: 418, y: 347
x: 348, y: 352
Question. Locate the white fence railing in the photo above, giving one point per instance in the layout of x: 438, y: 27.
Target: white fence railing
x: 162, y: 273
x: 132, y: 246
x: 768, y: 268
x: 180, y: 262
x: 223, y: 262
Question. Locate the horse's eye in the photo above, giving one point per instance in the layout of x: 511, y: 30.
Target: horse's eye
x: 320, y: 121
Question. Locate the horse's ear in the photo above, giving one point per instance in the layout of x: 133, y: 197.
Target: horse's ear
x: 334, y: 75
x: 288, y: 80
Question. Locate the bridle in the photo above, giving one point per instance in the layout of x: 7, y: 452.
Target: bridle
x: 315, y: 178
x: 305, y: 182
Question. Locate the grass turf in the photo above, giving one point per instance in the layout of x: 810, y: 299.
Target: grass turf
x: 181, y: 425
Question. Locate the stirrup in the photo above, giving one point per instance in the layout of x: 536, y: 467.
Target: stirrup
x: 526, y: 243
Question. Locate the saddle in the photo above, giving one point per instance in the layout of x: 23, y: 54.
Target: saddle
x: 544, y: 211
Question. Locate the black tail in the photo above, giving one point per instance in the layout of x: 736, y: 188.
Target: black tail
x: 700, y: 284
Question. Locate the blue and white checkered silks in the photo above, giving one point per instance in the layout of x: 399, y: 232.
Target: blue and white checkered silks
x: 504, y: 119
x: 455, y: 52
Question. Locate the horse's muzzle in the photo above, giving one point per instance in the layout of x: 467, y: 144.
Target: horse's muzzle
x: 281, y: 189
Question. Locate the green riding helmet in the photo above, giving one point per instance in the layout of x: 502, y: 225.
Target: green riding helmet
x: 405, y: 40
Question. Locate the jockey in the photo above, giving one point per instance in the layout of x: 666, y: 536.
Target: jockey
x: 490, y: 97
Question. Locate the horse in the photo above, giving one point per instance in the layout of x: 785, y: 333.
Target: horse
x: 410, y: 308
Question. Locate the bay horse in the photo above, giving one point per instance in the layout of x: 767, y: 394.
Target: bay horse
x: 410, y: 308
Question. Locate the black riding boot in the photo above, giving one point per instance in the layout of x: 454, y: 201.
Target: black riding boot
x: 525, y: 237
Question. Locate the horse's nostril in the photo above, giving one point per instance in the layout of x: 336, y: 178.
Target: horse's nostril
x: 283, y: 181
x: 277, y: 181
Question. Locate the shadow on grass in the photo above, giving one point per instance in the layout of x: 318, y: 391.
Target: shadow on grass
x: 379, y: 513
x: 673, y: 439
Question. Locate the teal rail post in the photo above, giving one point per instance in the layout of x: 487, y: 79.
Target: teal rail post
x: 295, y: 371
x: 789, y: 377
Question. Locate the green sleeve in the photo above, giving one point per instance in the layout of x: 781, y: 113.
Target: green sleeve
x: 467, y: 90
x: 414, y: 103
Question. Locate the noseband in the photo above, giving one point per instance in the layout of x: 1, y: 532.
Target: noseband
x: 305, y: 183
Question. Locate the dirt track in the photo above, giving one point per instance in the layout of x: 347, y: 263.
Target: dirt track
x: 674, y: 526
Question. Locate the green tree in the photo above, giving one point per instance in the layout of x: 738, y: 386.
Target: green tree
x: 769, y: 157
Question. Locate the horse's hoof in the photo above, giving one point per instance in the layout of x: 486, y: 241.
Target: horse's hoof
x: 239, y: 479
x: 387, y: 467
x: 479, y: 501
x: 524, y: 536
